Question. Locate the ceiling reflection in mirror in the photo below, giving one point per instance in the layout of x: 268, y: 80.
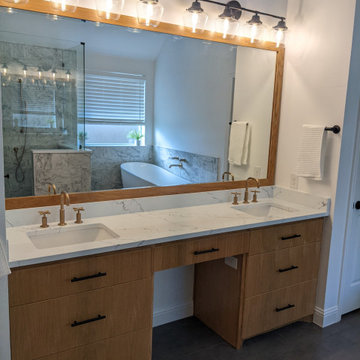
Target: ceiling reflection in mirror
x: 88, y: 107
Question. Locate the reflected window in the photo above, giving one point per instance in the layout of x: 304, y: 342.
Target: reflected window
x: 114, y: 109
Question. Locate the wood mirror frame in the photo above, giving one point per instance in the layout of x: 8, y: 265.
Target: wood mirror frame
x: 45, y: 7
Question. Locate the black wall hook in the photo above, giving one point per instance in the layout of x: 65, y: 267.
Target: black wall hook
x: 335, y: 129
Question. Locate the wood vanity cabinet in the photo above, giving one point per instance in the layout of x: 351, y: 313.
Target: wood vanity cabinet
x: 96, y: 307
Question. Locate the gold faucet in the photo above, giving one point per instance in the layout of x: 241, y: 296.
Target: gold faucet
x: 64, y: 199
x: 246, y: 195
x: 51, y: 187
x: 228, y: 173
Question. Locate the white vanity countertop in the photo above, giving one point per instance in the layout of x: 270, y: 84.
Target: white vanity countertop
x: 159, y: 226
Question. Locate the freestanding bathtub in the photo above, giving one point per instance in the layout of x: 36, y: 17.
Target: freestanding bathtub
x: 140, y: 174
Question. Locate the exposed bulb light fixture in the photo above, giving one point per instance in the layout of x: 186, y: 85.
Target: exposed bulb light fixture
x: 25, y: 69
x: 195, y: 17
x: 65, y: 5
x: 53, y: 72
x: 68, y: 75
x: 109, y: 9
x: 255, y: 23
x: 4, y: 69
x: 39, y: 72
x: 227, y: 22
x: 280, y: 29
x: 149, y: 12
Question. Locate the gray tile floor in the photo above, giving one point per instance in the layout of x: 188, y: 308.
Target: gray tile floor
x: 189, y: 339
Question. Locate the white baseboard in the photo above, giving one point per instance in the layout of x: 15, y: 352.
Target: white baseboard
x: 174, y: 313
x: 326, y: 317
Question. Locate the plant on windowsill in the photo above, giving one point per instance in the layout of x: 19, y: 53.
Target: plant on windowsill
x: 82, y: 136
x: 136, y: 135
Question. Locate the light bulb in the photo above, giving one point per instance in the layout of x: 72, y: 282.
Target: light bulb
x: 195, y: 17
x: 65, y: 5
x: 109, y: 9
x: 149, y: 12
x: 68, y: 74
x: 39, y: 72
x: 4, y: 69
x: 25, y: 70
x: 280, y: 29
x: 227, y: 22
x: 54, y: 74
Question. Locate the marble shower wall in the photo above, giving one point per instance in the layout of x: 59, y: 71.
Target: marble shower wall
x: 69, y: 170
x: 37, y: 114
x: 106, y: 161
x: 196, y: 168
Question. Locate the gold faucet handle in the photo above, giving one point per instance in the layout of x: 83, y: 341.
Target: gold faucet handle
x: 236, y: 199
x: 255, y: 192
x: 44, y: 223
x: 78, y: 215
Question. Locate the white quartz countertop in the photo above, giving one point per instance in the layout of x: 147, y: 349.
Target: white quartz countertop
x: 159, y: 226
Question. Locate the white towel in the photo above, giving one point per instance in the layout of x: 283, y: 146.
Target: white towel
x: 239, y: 143
x: 4, y: 265
x: 311, y: 153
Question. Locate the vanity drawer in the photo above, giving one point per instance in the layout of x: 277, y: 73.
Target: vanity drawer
x: 131, y: 346
x: 272, y: 310
x: 282, y: 268
x: 56, y: 325
x: 201, y: 249
x: 42, y: 282
x: 285, y: 236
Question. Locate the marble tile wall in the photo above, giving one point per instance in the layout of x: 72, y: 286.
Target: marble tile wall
x: 69, y: 171
x: 106, y: 161
x: 33, y: 130
x: 196, y: 168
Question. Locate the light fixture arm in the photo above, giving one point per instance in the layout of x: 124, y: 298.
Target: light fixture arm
x: 239, y: 7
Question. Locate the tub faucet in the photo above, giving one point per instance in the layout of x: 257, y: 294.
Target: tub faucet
x: 64, y: 199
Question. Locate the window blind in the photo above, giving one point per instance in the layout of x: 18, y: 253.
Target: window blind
x: 113, y: 98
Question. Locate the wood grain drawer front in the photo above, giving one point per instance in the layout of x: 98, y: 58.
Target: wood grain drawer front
x: 201, y: 249
x: 131, y: 346
x: 272, y: 310
x: 52, y: 326
x: 282, y: 268
x: 285, y: 236
x: 42, y: 282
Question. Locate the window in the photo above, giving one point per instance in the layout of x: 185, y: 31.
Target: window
x: 114, y: 106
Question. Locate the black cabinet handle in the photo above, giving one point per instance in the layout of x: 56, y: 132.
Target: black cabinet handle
x: 78, y: 323
x: 290, y: 237
x: 357, y: 205
x: 293, y: 267
x: 205, y: 251
x: 99, y: 274
x: 290, y: 306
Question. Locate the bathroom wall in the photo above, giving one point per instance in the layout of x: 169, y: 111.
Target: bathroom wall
x: 49, y: 126
x: 318, y: 49
x: 198, y: 120
x: 106, y: 161
x: 195, y: 168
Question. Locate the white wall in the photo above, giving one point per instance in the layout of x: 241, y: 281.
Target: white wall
x: 317, y: 62
x: 193, y: 96
x: 253, y: 102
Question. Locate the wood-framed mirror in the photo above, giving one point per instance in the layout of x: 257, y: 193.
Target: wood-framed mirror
x: 193, y: 94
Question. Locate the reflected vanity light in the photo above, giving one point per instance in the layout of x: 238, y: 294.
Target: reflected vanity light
x: 53, y: 72
x: 39, y: 72
x: 109, y: 9
x: 195, y: 17
x: 149, y: 12
x: 4, y: 69
x: 68, y: 75
x: 25, y: 70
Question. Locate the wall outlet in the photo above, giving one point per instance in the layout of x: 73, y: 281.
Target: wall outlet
x: 232, y: 262
x: 294, y: 182
x: 257, y: 172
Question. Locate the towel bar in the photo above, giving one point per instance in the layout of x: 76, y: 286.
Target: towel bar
x: 335, y: 129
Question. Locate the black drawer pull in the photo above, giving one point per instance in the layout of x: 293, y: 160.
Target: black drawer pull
x: 290, y: 306
x: 205, y: 251
x: 288, y: 269
x: 78, y: 323
x: 99, y: 274
x: 290, y: 237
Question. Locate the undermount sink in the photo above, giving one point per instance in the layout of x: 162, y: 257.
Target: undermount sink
x: 265, y: 210
x: 64, y: 236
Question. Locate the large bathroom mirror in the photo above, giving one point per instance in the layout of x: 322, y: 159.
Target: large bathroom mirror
x: 89, y: 107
